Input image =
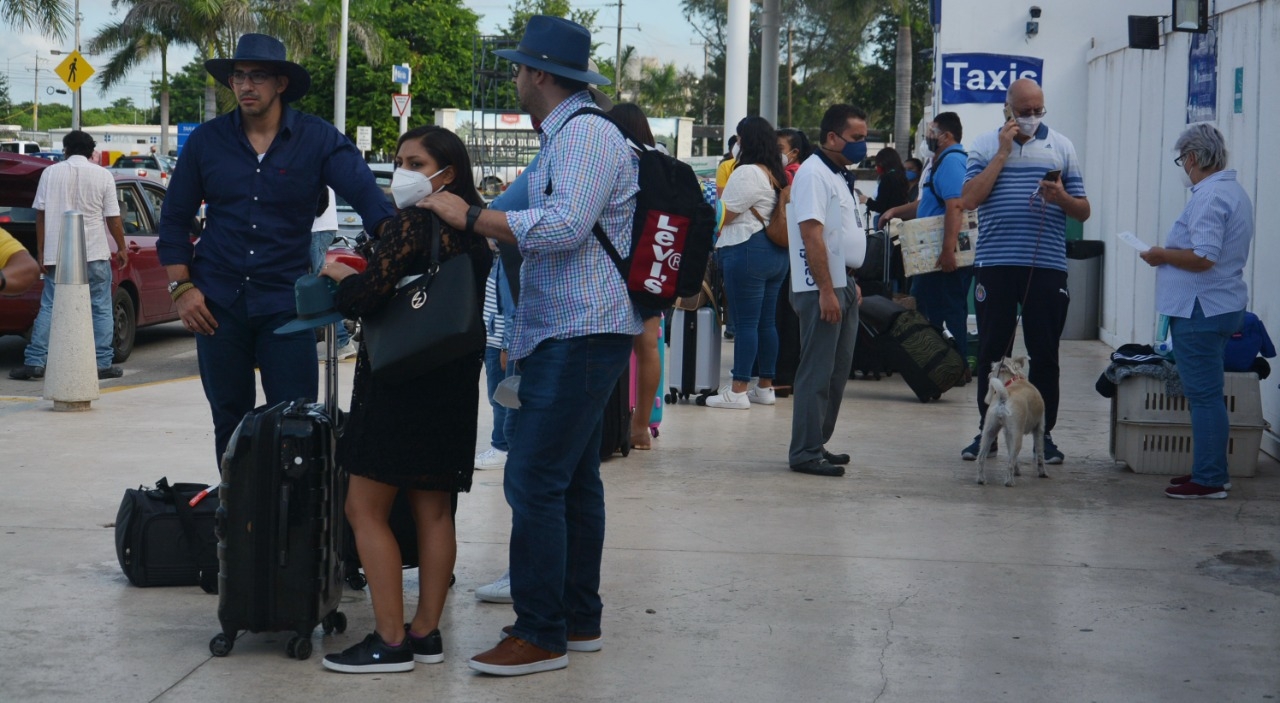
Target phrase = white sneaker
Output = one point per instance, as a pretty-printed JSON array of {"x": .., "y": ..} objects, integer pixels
[
  {"x": 762, "y": 396},
  {"x": 497, "y": 592},
  {"x": 728, "y": 399},
  {"x": 347, "y": 350},
  {"x": 491, "y": 458}
]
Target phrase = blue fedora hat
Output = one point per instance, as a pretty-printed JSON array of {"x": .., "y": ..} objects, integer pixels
[
  {"x": 261, "y": 48},
  {"x": 557, "y": 46},
  {"x": 313, "y": 297}
]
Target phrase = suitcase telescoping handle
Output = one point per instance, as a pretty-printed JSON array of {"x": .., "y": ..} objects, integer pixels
[
  {"x": 282, "y": 524},
  {"x": 331, "y": 371}
]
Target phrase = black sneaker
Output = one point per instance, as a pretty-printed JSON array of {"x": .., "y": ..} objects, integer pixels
[
  {"x": 837, "y": 459},
  {"x": 110, "y": 372},
  {"x": 1052, "y": 455},
  {"x": 372, "y": 656},
  {"x": 970, "y": 453},
  {"x": 428, "y": 649},
  {"x": 26, "y": 373}
]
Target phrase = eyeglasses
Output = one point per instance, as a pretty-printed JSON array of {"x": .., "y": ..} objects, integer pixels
[
  {"x": 255, "y": 77},
  {"x": 515, "y": 70},
  {"x": 1031, "y": 113},
  {"x": 1178, "y": 161}
]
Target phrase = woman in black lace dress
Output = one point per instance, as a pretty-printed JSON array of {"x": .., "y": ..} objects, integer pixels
[{"x": 416, "y": 435}]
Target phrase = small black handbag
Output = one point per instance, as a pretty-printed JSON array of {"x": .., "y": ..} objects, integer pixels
[
  {"x": 162, "y": 540},
  {"x": 429, "y": 321}
]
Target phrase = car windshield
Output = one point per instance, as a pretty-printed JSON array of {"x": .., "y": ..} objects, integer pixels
[
  {"x": 17, "y": 214},
  {"x": 136, "y": 162}
]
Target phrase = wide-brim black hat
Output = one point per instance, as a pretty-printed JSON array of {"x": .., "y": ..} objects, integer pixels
[
  {"x": 313, "y": 298},
  {"x": 263, "y": 49},
  {"x": 558, "y": 46}
]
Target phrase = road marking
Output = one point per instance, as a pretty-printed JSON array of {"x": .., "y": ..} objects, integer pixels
[{"x": 114, "y": 389}]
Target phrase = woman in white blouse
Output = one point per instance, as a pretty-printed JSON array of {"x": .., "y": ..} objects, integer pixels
[{"x": 754, "y": 267}]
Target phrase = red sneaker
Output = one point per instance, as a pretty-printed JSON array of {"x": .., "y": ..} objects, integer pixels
[
  {"x": 1179, "y": 480},
  {"x": 1192, "y": 491}
]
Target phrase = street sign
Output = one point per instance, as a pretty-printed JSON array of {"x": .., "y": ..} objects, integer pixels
[
  {"x": 401, "y": 73},
  {"x": 364, "y": 138},
  {"x": 74, "y": 70},
  {"x": 184, "y": 130},
  {"x": 401, "y": 105}
]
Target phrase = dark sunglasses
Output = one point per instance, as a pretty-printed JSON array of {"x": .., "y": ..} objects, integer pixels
[{"x": 255, "y": 77}]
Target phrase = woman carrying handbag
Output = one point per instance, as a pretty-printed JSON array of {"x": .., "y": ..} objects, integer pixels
[{"x": 415, "y": 434}]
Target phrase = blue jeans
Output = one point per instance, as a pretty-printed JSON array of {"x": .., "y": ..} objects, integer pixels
[
  {"x": 37, "y": 353},
  {"x": 753, "y": 275},
  {"x": 944, "y": 298},
  {"x": 227, "y": 357},
  {"x": 320, "y": 242},
  {"x": 1199, "y": 343},
  {"x": 494, "y": 373},
  {"x": 553, "y": 486}
]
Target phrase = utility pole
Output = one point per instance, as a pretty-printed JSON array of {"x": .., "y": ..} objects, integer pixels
[
  {"x": 35, "y": 102},
  {"x": 706, "y": 49},
  {"x": 617, "y": 58},
  {"x": 340, "y": 76},
  {"x": 75, "y": 94},
  {"x": 791, "y": 69}
]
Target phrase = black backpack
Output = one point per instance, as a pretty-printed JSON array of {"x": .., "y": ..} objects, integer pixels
[{"x": 673, "y": 231}]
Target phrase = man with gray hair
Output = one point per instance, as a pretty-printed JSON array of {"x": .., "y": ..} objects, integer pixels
[
  {"x": 1024, "y": 180},
  {"x": 1200, "y": 286}
]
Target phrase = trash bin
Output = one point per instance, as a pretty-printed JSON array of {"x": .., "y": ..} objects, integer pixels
[{"x": 1084, "y": 279}]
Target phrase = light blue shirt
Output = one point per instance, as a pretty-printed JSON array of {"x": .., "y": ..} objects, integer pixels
[
  {"x": 569, "y": 287},
  {"x": 947, "y": 176},
  {"x": 1217, "y": 224}
]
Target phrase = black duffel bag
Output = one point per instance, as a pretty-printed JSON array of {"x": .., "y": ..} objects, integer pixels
[{"x": 163, "y": 540}]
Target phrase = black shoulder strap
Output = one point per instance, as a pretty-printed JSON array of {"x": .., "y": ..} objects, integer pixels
[{"x": 933, "y": 170}]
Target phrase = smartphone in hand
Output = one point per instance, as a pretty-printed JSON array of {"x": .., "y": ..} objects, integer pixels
[
  {"x": 1008, "y": 113},
  {"x": 1054, "y": 175}
]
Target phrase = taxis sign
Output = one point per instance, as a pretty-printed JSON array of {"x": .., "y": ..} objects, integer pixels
[{"x": 74, "y": 70}]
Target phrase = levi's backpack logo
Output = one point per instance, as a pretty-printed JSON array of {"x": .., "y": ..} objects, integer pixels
[{"x": 672, "y": 233}]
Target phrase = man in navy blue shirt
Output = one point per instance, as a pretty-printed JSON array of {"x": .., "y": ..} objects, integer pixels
[{"x": 261, "y": 170}]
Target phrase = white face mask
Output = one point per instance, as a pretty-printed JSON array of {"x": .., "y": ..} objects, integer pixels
[
  {"x": 1028, "y": 125},
  {"x": 736, "y": 150},
  {"x": 786, "y": 160},
  {"x": 1186, "y": 177},
  {"x": 408, "y": 187}
]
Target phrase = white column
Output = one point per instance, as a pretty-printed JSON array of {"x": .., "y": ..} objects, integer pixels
[
  {"x": 770, "y": 22},
  {"x": 340, "y": 75},
  {"x": 737, "y": 60}
]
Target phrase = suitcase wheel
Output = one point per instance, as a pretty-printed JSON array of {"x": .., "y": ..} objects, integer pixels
[
  {"x": 357, "y": 581},
  {"x": 299, "y": 647},
  {"x": 220, "y": 645},
  {"x": 334, "y": 622}
]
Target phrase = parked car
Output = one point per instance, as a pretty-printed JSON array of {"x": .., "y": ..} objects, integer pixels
[
  {"x": 139, "y": 291},
  {"x": 146, "y": 166},
  {"x": 54, "y": 156},
  {"x": 350, "y": 225},
  {"x": 20, "y": 146}
]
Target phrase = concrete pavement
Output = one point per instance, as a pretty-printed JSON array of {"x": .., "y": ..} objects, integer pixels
[{"x": 726, "y": 576}]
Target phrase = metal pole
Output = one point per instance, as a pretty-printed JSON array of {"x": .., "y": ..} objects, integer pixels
[
  {"x": 736, "y": 66},
  {"x": 770, "y": 20},
  {"x": 340, "y": 77},
  {"x": 791, "y": 76},
  {"x": 617, "y": 58},
  {"x": 75, "y": 94},
  {"x": 35, "y": 103}
]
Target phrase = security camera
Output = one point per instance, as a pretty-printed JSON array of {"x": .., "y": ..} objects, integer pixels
[{"x": 1035, "y": 12}]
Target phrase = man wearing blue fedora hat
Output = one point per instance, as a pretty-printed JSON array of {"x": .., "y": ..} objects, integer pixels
[
  {"x": 571, "y": 338},
  {"x": 261, "y": 169}
]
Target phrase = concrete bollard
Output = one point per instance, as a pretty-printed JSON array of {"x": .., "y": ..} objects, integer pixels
[{"x": 71, "y": 371}]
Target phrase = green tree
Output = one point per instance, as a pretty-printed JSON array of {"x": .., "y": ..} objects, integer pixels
[
  {"x": 49, "y": 17},
  {"x": 5, "y": 107},
  {"x": 522, "y": 10},
  {"x": 661, "y": 93}
]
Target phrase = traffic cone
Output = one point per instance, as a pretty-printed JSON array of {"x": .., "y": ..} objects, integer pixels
[{"x": 71, "y": 371}]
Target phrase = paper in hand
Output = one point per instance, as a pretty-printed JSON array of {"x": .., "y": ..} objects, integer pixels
[{"x": 1132, "y": 240}]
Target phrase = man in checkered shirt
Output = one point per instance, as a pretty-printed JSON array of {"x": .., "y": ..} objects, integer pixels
[{"x": 571, "y": 340}]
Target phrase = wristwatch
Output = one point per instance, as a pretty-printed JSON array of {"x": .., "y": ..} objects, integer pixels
[
  {"x": 173, "y": 285},
  {"x": 473, "y": 214}
]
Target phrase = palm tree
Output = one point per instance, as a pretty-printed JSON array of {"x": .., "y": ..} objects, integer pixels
[
  {"x": 46, "y": 16},
  {"x": 661, "y": 93},
  {"x": 902, "y": 76},
  {"x": 135, "y": 40}
]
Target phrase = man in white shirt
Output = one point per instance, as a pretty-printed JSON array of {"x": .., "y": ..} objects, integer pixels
[
  {"x": 323, "y": 231},
  {"x": 826, "y": 241},
  {"x": 77, "y": 184}
]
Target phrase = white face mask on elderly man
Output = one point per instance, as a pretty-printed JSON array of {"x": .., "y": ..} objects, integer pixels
[
  {"x": 408, "y": 187},
  {"x": 1028, "y": 126}
]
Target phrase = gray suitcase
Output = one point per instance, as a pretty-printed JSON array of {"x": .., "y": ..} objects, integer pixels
[{"x": 694, "y": 354}]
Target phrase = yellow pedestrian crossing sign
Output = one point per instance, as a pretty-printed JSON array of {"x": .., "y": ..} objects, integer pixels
[{"x": 74, "y": 70}]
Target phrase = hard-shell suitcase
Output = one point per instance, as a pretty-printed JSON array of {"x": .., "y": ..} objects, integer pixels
[
  {"x": 875, "y": 279},
  {"x": 927, "y": 361},
  {"x": 655, "y": 414},
  {"x": 615, "y": 436},
  {"x": 695, "y": 354},
  {"x": 279, "y": 523}
]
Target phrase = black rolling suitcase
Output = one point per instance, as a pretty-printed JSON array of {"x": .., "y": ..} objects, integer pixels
[
  {"x": 927, "y": 361},
  {"x": 615, "y": 436},
  {"x": 875, "y": 279},
  {"x": 405, "y": 530},
  {"x": 279, "y": 523}
]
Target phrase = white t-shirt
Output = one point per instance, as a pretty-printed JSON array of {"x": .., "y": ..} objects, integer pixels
[
  {"x": 77, "y": 184},
  {"x": 328, "y": 220},
  {"x": 748, "y": 187},
  {"x": 818, "y": 193}
]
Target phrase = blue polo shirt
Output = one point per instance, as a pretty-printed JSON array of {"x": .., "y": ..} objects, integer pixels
[
  {"x": 1012, "y": 230},
  {"x": 257, "y": 236},
  {"x": 947, "y": 177}
]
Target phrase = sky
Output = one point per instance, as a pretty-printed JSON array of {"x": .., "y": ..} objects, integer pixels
[{"x": 657, "y": 36}]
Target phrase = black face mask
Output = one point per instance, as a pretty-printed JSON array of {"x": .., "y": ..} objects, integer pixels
[{"x": 932, "y": 143}]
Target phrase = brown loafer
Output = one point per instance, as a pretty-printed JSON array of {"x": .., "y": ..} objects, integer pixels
[{"x": 516, "y": 657}]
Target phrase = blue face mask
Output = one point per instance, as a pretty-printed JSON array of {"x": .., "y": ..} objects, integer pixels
[
  {"x": 855, "y": 152},
  {"x": 911, "y": 175}
]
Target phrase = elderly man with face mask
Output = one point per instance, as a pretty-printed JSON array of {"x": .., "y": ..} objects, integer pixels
[{"x": 1021, "y": 255}]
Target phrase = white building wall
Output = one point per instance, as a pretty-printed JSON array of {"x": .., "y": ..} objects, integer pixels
[{"x": 1124, "y": 109}]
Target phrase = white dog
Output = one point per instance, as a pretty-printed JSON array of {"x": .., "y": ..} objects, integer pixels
[{"x": 1015, "y": 405}]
